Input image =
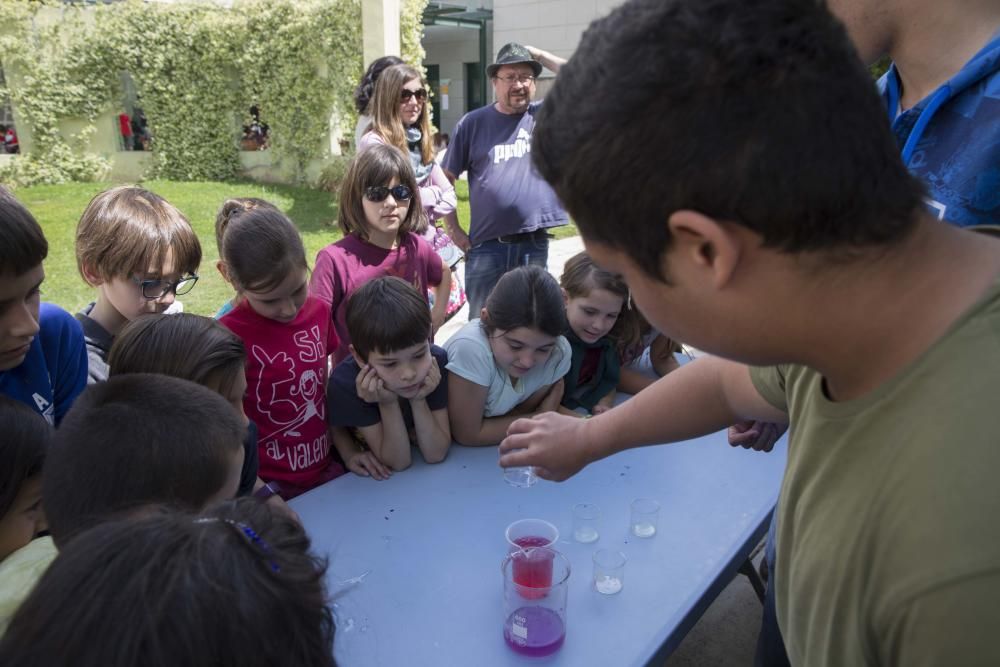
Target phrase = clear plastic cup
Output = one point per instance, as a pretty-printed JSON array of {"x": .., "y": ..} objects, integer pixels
[
  {"x": 645, "y": 516},
  {"x": 609, "y": 571},
  {"x": 520, "y": 476},
  {"x": 586, "y": 523}
]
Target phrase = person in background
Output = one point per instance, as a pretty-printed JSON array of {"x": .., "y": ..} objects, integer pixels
[
  {"x": 512, "y": 208},
  {"x": 366, "y": 88}
]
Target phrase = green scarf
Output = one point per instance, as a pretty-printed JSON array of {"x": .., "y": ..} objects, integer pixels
[{"x": 605, "y": 377}]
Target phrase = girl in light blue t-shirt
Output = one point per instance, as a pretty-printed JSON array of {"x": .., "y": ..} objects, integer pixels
[{"x": 509, "y": 363}]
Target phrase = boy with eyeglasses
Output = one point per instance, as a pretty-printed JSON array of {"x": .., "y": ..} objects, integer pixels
[
  {"x": 43, "y": 361},
  {"x": 140, "y": 252}
]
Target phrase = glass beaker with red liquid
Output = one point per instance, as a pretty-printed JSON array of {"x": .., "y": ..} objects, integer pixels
[
  {"x": 535, "y": 616},
  {"x": 532, "y": 569}
]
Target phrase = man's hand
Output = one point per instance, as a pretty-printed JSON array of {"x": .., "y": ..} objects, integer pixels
[
  {"x": 556, "y": 445},
  {"x": 459, "y": 237},
  {"x": 367, "y": 464},
  {"x": 371, "y": 388},
  {"x": 756, "y": 435},
  {"x": 554, "y": 398},
  {"x": 430, "y": 382}
]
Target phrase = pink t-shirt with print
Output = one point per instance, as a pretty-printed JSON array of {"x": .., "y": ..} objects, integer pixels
[
  {"x": 344, "y": 266},
  {"x": 286, "y": 390}
]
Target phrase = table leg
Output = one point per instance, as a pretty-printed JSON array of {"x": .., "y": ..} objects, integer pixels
[{"x": 750, "y": 572}]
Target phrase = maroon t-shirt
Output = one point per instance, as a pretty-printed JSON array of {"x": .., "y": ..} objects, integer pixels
[{"x": 344, "y": 266}]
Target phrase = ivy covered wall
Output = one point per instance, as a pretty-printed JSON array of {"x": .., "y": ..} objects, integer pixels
[{"x": 198, "y": 68}]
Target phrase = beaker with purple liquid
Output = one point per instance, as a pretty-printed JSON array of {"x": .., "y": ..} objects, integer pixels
[{"x": 535, "y": 616}]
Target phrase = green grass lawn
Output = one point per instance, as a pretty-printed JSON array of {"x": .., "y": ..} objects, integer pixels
[{"x": 58, "y": 208}]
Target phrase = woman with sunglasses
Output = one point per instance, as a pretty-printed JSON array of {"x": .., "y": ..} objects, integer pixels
[{"x": 401, "y": 118}]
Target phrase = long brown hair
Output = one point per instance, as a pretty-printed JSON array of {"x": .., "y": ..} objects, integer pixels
[
  {"x": 385, "y": 105},
  {"x": 260, "y": 247},
  {"x": 580, "y": 276}
]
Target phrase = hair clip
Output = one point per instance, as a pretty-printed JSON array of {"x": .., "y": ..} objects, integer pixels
[{"x": 250, "y": 534}]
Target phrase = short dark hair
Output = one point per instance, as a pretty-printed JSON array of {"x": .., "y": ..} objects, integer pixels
[
  {"x": 756, "y": 113},
  {"x": 22, "y": 243},
  {"x": 23, "y": 446},
  {"x": 527, "y": 296},
  {"x": 187, "y": 346},
  {"x": 260, "y": 246},
  {"x": 235, "y": 586},
  {"x": 385, "y": 315},
  {"x": 135, "y": 440}
]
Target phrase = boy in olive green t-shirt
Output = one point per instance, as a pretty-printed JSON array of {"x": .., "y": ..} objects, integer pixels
[{"x": 756, "y": 205}]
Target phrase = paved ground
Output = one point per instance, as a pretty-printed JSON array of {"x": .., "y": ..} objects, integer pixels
[
  {"x": 559, "y": 251},
  {"x": 727, "y": 633}
]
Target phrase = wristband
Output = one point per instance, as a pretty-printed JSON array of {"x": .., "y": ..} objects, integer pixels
[{"x": 265, "y": 492}]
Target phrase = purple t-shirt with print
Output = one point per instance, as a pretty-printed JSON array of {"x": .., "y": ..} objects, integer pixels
[{"x": 507, "y": 195}]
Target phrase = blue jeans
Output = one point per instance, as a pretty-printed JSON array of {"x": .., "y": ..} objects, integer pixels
[{"x": 487, "y": 261}]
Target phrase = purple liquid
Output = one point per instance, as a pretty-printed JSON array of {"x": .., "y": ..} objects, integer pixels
[{"x": 534, "y": 631}]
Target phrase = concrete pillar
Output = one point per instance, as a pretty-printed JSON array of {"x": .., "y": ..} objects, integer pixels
[{"x": 379, "y": 28}]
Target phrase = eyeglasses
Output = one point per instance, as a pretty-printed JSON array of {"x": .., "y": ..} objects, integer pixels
[
  {"x": 157, "y": 289},
  {"x": 419, "y": 93},
  {"x": 378, "y": 193},
  {"x": 510, "y": 79}
]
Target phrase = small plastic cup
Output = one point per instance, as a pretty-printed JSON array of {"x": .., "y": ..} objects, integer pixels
[
  {"x": 532, "y": 540},
  {"x": 520, "y": 476},
  {"x": 609, "y": 571},
  {"x": 645, "y": 515},
  {"x": 586, "y": 523}
]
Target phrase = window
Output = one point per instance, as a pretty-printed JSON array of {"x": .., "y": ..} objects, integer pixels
[{"x": 8, "y": 133}]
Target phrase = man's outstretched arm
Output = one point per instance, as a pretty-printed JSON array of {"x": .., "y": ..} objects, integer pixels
[{"x": 701, "y": 397}]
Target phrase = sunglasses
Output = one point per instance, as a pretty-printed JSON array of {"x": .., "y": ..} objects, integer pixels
[
  {"x": 378, "y": 193},
  {"x": 419, "y": 93}
]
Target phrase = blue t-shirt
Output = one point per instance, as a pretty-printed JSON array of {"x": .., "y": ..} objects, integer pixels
[
  {"x": 54, "y": 371},
  {"x": 951, "y": 139},
  {"x": 344, "y": 408},
  {"x": 506, "y": 193}
]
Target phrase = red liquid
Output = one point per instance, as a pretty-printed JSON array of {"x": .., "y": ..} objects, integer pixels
[
  {"x": 532, "y": 567},
  {"x": 534, "y": 631}
]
